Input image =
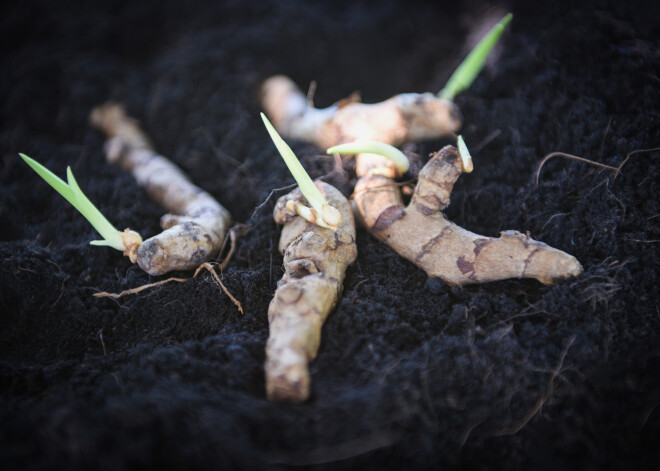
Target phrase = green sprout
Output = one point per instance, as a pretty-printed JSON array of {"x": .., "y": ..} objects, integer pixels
[
  {"x": 464, "y": 153},
  {"x": 122, "y": 241},
  {"x": 360, "y": 146},
  {"x": 330, "y": 217},
  {"x": 465, "y": 74},
  {"x": 393, "y": 154}
]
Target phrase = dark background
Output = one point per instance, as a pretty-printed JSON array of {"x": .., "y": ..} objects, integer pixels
[{"x": 411, "y": 373}]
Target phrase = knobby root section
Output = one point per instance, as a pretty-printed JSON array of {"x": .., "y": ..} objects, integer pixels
[
  {"x": 422, "y": 234},
  {"x": 194, "y": 230},
  {"x": 403, "y": 118},
  {"x": 315, "y": 262}
]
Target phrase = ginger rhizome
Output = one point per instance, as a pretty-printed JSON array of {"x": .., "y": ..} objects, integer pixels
[
  {"x": 318, "y": 243},
  {"x": 315, "y": 262},
  {"x": 194, "y": 230},
  {"x": 423, "y": 235},
  {"x": 408, "y": 117},
  {"x": 403, "y": 118}
]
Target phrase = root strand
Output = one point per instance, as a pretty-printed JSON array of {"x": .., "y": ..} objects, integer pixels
[{"x": 568, "y": 156}]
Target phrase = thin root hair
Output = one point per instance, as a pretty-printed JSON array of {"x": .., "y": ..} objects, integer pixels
[
  {"x": 234, "y": 233},
  {"x": 543, "y": 399},
  {"x": 628, "y": 155},
  {"x": 138, "y": 289},
  {"x": 270, "y": 195},
  {"x": 218, "y": 282},
  {"x": 568, "y": 156}
]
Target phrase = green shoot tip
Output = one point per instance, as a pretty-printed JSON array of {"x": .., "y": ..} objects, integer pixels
[
  {"x": 465, "y": 74},
  {"x": 321, "y": 212},
  {"x": 464, "y": 153},
  {"x": 361, "y": 146},
  {"x": 74, "y": 195}
]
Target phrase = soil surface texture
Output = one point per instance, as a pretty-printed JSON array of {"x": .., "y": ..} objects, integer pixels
[{"x": 411, "y": 373}]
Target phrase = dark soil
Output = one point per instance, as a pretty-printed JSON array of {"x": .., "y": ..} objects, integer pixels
[{"x": 411, "y": 373}]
